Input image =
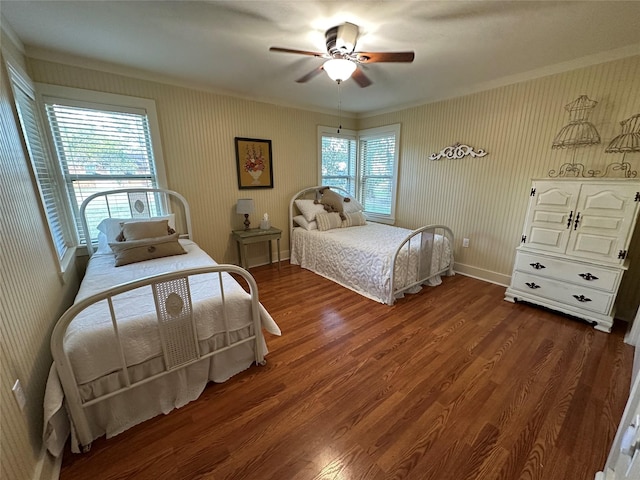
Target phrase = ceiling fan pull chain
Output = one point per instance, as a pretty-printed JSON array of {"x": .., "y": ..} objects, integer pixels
[{"x": 339, "y": 107}]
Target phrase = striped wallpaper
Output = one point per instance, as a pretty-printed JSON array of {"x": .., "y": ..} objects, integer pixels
[
  {"x": 32, "y": 297},
  {"x": 483, "y": 199}
]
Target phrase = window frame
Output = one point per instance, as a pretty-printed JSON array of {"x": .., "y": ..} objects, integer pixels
[
  {"x": 363, "y": 136},
  {"x": 98, "y": 101},
  {"x": 65, "y": 251}
]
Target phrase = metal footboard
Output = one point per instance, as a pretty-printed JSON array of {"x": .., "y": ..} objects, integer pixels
[{"x": 418, "y": 265}]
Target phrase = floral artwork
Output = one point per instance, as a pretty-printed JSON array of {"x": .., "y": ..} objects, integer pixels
[
  {"x": 254, "y": 162},
  {"x": 253, "y": 158}
]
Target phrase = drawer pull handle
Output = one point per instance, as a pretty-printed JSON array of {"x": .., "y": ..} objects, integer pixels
[
  {"x": 537, "y": 265},
  {"x": 588, "y": 276},
  {"x": 532, "y": 285},
  {"x": 570, "y": 219},
  {"x": 581, "y": 298},
  {"x": 576, "y": 221}
]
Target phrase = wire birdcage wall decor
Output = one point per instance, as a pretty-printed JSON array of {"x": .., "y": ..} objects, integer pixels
[
  {"x": 579, "y": 132},
  {"x": 627, "y": 142}
]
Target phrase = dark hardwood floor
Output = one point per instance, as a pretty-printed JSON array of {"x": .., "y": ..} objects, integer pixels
[{"x": 451, "y": 383}]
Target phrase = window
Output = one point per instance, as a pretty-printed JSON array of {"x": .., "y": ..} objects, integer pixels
[
  {"x": 44, "y": 170},
  {"x": 102, "y": 142},
  {"x": 365, "y": 163},
  {"x": 338, "y": 154}
]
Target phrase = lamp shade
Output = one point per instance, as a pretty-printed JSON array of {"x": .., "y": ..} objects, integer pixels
[
  {"x": 339, "y": 69},
  {"x": 245, "y": 206}
]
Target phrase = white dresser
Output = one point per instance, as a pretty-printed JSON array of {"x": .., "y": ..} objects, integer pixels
[{"x": 574, "y": 246}]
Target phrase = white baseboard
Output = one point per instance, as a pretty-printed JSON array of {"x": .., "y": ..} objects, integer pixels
[
  {"x": 258, "y": 261},
  {"x": 481, "y": 274}
]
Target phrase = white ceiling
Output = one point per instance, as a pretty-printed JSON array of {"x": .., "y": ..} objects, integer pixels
[{"x": 223, "y": 46}]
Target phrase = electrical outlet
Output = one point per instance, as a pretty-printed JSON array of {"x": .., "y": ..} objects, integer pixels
[
  {"x": 18, "y": 392},
  {"x": 465, "y": 242}
]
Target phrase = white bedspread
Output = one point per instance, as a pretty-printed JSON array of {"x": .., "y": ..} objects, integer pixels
[
  {"x": 359, "y": 258},
  {"x": 90, "y": 343}
]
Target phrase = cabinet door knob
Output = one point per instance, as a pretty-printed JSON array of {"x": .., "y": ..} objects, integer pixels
[
  {"x": 537, "y": 265},
  {"x": 576, "y": 222},
  {"x": 532, "y": 285},
  {"x": 581, "y": 298},
  {"x": 588, "y": 276},
  {"x": 570, "y": 219}
]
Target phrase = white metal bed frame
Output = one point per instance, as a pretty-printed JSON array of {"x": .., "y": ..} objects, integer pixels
[
  {"x": 424, "y": 235},
  {"x": 174, "y": 315}
]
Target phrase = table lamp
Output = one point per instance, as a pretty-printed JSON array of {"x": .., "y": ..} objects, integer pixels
[{"x": 245, "y": 207}]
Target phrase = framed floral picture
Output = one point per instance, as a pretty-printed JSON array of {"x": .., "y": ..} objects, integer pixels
[{"x": 254, "y": 163}]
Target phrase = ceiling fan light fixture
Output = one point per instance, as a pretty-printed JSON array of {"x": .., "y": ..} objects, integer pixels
[{"x": 339, "y": 69}]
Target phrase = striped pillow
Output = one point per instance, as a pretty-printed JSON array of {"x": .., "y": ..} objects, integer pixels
[
  {"x": 327, "y": 221},
  {"x": 354, "y": 219}
]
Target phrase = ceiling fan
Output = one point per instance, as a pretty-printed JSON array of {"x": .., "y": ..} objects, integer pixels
[{"x": 342, "y": 59}]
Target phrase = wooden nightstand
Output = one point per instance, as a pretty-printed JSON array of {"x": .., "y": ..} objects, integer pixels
[{"x": 256, "y": 235}]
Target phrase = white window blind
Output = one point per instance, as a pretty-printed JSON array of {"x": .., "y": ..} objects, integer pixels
[
  {"x": 377, "y": 160},
  {"x": 100, "y": 147},
  {"x": 43, "y": 167},
  {"x": 338, "y": 161}
]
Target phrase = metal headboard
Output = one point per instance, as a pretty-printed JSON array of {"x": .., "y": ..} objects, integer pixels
[
  {"x": 310, "y": 193},
  {"x": 132, "y": 203}
]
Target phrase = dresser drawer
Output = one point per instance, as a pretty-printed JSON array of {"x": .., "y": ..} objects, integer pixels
[
  {"x": 583, "y": 274},
  {"x": 571, "y": 295}
]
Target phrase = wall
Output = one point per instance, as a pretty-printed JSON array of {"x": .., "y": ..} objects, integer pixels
[
  {"x": 485, "y": 199},
  {"x": 198, "y": 130},
  {"x": 33, "y": 295}
]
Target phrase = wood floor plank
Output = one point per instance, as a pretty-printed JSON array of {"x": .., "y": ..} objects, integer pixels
[{"x": 449, "y": 383}]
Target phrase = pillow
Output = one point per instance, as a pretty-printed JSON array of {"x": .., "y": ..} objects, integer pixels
[
  {"x": 302, "y": 222},
  {"x": 333, "y": 200},
  {"x": 103, "y": 245},
  {"x": 309, "y": 209},
  {"x": 111, "y": 226},
  {"x": 146, "y": 249},
  {"x": 354, "y": 219},
  {"x": 328, "y": 221},
  {"x": 147, "y": 229},
  {"x": 352, "y": 206}
]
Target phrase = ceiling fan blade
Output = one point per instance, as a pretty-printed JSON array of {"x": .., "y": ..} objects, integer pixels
[
  {"x": 299, "y": 52},
  {"x": 360, "y": 78},
  {"x": 310, "y": 75},
  {"x": 376, "y": 57}
]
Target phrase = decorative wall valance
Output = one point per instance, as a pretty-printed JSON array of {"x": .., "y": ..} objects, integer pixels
[{"x": 456, "y": 151}]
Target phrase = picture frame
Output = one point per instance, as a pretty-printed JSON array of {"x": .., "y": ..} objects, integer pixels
[{"x": 254, "y": 163}]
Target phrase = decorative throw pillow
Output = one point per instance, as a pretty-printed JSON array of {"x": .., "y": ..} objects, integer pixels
[
  {"x": 309, "y": 209},
  {"x": 133, "y": 251},
  {"x": 111, "y": 226},
  {"x": 354, "y": 219},
  {"x": 302, "y": 222},
  {"x": 328, "y": 221},
  {"x": 140, "y": 230},
  {"x": 333, "y": 201},
  {"x": 353, "y": 206}
]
